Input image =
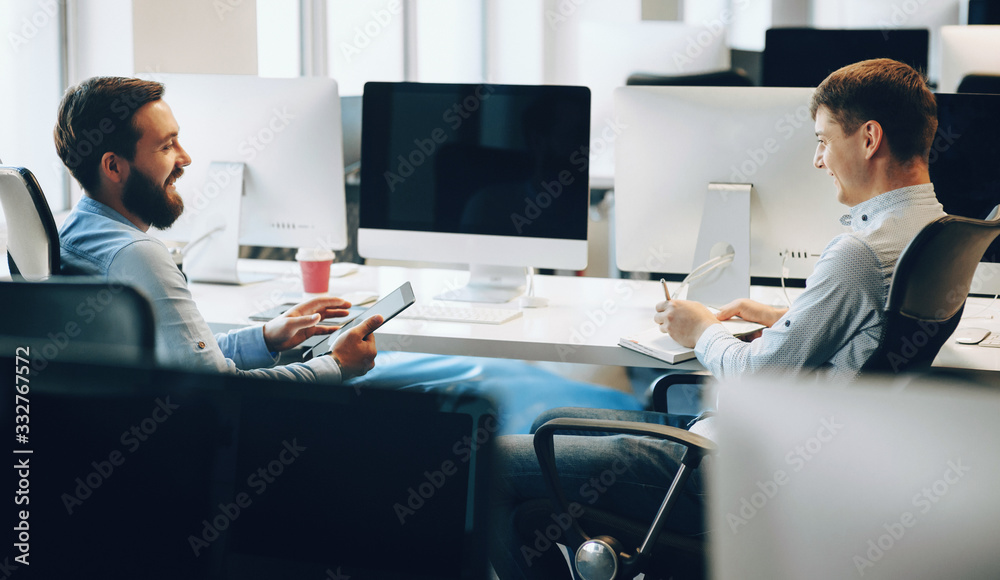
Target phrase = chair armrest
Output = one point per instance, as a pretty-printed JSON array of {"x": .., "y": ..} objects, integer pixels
[
  {"x": 543, "y": 435},
  {"x": 658, "y": 390},
  {"x": 695, "y": 445}
]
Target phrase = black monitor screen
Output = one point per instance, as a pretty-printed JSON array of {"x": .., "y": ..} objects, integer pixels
[
  {"x": 803, "y": 57},
  {"x": 509, "y": 160},
  {"x": 963, "y": 158}
]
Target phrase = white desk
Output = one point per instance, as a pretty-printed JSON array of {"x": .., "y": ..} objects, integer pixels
[{"x": 582, "y": 324}]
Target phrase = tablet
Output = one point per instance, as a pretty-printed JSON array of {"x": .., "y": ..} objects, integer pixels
[{"x": 392, "y": 304}]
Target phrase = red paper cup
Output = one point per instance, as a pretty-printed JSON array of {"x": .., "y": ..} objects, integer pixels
[{"x": 315, "y": 264}]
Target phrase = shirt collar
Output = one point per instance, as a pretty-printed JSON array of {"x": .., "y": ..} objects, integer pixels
[
  {"x": 868, "y": 212},
  {"x": 90, "y": 205}
]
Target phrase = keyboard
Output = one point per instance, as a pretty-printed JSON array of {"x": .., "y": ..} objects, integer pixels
[
  {"x": 448, "y": 313},
  {"x": 992, "y": 340}
]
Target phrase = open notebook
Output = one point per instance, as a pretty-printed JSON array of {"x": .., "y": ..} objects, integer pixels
[{"x": 659, "y": 345}]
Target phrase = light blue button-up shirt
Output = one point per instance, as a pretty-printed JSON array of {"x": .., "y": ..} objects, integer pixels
[
  {"x": 95, "y": 240},
  {"x": 836, "y": 324}
]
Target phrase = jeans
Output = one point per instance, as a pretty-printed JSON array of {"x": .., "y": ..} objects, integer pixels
[
  {"x": 622, "y": 474},
  {"x": 520, "y": 391}
]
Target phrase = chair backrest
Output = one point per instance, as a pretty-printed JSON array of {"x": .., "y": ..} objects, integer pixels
[
  {"x": 928, "y": 291},
  {"x": 77, "y": 319},
  {"x": 32, "y": 239},
  {"x": 733, "y": 77},
  {"x": 333, "y": 482},
  {"x": 980, "y": 83}
]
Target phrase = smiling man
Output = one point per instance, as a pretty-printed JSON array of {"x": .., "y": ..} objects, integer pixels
[
  {"x": 875, "y": 121},
  {"x": 120, "y": 140}
]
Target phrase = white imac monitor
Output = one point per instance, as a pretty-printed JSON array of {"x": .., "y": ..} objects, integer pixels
[
  {"x": 287, "y": 135},
  {"x": 495, "y": 176},
  {"x": 681, "y": 139},
  {"x": 966, "y": 50}
]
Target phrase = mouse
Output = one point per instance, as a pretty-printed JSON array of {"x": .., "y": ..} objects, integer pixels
[{"x": 970, "y": 335}]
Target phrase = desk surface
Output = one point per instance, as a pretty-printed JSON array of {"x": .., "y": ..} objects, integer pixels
[{"x": 582, "y": 324}]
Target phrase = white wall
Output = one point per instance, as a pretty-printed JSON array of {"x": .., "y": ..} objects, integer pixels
[
  {"x": 195, "y": 36},
  {"x": 365, "y": 42},
  {"x": 449, "y": 41},
  {"x": 278, "y": 38},
  {"x": 515, "y": 41},
  {"x": 100, "y": 39},
  {"x": 30, "y": 91}
]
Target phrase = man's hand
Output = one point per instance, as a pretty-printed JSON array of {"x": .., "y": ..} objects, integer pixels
[
  {"x": 751, "y": 312},
  {"x": 353, "y": 352},
  {"x": 684, "y": 320},
  {"x": 299, "y": 322}
]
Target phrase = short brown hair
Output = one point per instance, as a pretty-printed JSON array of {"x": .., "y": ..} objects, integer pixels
[
  {"x": 96, "y": 116},
  {"x": 887, "y": 91}
]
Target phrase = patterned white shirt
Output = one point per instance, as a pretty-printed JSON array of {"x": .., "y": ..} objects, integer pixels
[{"x": 836, "y": 324}]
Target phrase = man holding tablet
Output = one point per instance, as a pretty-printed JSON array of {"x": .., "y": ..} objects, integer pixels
[
  {"x": 119, "y": 139},
  {"x": 128, "y": 179}
]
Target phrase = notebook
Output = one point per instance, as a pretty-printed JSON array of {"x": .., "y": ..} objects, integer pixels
[
  {"x": 169, "y": 474},
  {"x": 652, "y": 342}
]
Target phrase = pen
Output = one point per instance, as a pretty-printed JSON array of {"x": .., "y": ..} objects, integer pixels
[{"x": 665, "y": 291}]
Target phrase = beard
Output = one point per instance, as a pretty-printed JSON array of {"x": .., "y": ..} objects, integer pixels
[{"x": 150, "y": 201}]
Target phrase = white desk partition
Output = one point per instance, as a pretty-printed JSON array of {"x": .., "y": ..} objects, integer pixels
[{"x": 582, "y": 324}]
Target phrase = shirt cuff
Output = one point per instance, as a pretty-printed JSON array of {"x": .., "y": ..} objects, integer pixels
[
  {"x": 712, "y": 335},
  {"x": 250, "y": 350},
  {"x": 326, "y": 367}
]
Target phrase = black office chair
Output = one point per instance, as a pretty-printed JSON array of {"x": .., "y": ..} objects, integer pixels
[
  {"x": 77, "y": 319},
  {"x": 734, "y": 77},
  {"x": 32, "y": 238},
  {"x": 926, "y": 297},
  {"x": 980, "y": 83},
  {"x": 928, "y": 292}
]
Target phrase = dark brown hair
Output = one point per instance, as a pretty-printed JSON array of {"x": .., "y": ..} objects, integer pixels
[
  {"x": 96, "y": 116},
  {"x": 887, "y": 91}
]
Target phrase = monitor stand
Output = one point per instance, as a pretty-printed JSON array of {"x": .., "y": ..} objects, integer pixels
[
  {"x": 214, "y": 251},
  {"x": 725, "y": 227},
  {"x": 494, "y": 284}
]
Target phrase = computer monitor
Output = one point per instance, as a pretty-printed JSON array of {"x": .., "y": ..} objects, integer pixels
[
  {"x": 158, "y": 473},
  {"x": 803, "y": 57},
  {"x": 963, "y": 163},
  {"x": 966, "y": 50},
  {"x": 495, "y": 176},
  {"x": 681, "y": 139},
  {"x": 286, "y": 132},
  {"x": 689, "y": 137}
]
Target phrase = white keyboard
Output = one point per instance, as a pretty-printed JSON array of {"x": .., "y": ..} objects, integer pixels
[
  {"x": 992, "y": 340},
  {"x": 448, "y": 313}
]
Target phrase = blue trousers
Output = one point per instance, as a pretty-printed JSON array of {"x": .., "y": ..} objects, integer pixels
[{"x": 521, "y": 391}]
